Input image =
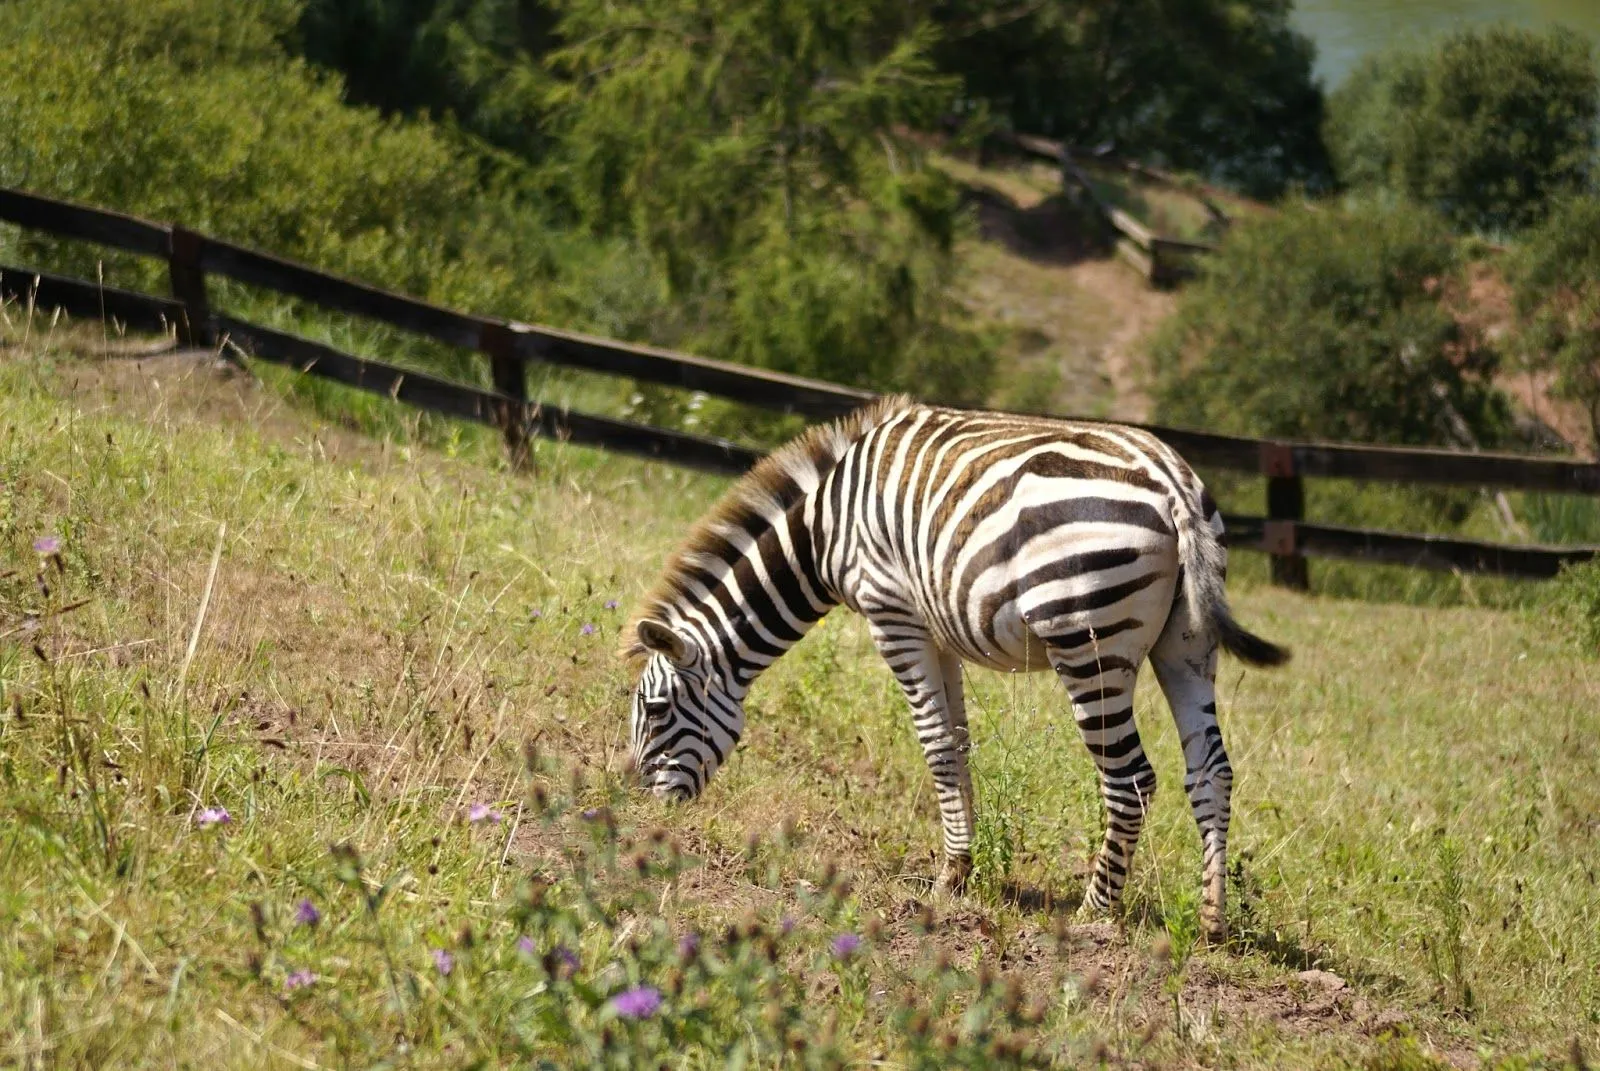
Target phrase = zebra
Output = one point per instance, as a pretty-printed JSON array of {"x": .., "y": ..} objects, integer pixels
[{"x": 1011, "y": 542}]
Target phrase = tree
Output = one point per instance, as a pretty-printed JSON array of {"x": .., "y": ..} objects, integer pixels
[
  {"x": 1223, "y": 87},
  {"x": 760, "y": 150},
  {"x": 1557, "y": 287},
  {"x": 1489, "y": 127},
  {"x": 1331, "y": 323}
]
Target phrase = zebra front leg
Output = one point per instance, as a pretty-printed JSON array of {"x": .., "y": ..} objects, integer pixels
[
  {"x": 932, "y": 685},
  {"x": 1102, "y": 703},
  {"x": 1186, "y": 665}
]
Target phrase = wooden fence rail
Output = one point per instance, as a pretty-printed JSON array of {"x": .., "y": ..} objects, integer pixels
[{"x": 510, "y": 346}]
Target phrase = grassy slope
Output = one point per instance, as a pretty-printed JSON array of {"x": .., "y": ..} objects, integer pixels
[{"x": 1415, "y": 808}]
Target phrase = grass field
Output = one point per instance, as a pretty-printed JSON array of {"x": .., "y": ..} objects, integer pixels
[{"x": 390, "y": 662}]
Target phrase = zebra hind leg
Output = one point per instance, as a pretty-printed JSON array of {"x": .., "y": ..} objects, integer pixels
[
  {"x": 1101, "y": 688},
  {"x": 1185, "y": 662}
]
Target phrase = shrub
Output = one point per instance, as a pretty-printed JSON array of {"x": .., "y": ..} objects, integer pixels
[
  {"x": 1488, "y": 127},
  {"x": 1557, "y": 288},
  {"x": 1576, "y": 597},
  {"x": 1327, "y": 322}
]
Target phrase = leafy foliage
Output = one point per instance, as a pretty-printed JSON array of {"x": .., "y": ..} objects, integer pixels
[
  {"x": 1557, "y": 277},
  {"x": 1328, "y": 322},
  {"x": 1219, "y": 86},
  {"x": 758, "y": 151},
  {"x": 1489, "y": 126}
]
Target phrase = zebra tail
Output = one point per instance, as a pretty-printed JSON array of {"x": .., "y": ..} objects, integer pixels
[{"x": 1204, "y": 572}]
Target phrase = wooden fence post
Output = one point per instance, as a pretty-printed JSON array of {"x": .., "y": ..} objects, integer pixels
[
  {"x": 1286, "y": 506},
  {"x": 189, "y": 287},
  {"x": 510, "y": 380}
]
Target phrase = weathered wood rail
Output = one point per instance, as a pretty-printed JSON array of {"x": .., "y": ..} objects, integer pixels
[{"x": 510, "y": 347}]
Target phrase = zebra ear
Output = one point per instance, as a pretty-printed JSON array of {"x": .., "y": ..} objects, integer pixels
[{"x": 665, "y": 640}]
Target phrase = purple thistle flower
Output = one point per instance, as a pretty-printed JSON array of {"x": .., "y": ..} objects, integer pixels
[
  {"x": 482, "y": 812},
  {"x": 535, "y": 614},
  {"x": 444, "y": 962},
  {"x": 688, "y": 945},
  {"x": 306, "y": 913},
  {"x": 591, "y": 814},
  {"x": 786, "y": 925},
  {"x": 566, "y": 957},
  {"x": 846, "y": 945},
  {"x": 526, "y": 946},
  {"x": 299, "y": 979},
  {"x": 213, "y": 816},
  {"x": 640, "y": 1002},
  {"x": 47, "y": 545},
  {"x": 612, "y": 604},
  {"x": 587, "y": 630}
]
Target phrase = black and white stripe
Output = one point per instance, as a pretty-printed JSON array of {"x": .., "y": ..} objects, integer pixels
[{"x": 1012, "y": 542}]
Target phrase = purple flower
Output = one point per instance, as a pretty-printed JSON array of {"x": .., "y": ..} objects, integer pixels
[
  {"x": 444, "y": 961},
  {"x": 591, "y": 814},
  {"x": 640, "y": 1002},
  {"x": 213, "y": 816},
  {"x": 526, "y": 946},
  {"x": 306, "y": 913},
  {"x": 47, "y": 545},
  {"x": 299, "y": 979},
  {"x": 786, "y": 925},
  {"x": 612, "y": 604},
  {"x": 565, "y": 958},
  {"x": 535, "y": 614},
  {"x": 846, "y": 945},
  {"x": 482, "y": 812},
  {"x": 688, "y": 945},
  {"x": 587, "y": 630}
]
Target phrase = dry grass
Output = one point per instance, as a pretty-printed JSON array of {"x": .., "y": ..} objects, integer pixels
[{"x": 1415, "y": 808}]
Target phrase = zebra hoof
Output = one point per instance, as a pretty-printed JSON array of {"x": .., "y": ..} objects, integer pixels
[
  {"x": 952, "y": 880},
  {"x": 1214, "y": 934}
]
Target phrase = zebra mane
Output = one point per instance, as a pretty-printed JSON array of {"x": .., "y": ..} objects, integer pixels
[{"x": 753, "y": 504}]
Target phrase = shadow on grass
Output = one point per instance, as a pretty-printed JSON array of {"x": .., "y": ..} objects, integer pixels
[{"x": 1054, "y": 231}]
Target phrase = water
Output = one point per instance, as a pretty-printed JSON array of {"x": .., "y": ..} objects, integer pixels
[{"x": 1347, "y": 30}]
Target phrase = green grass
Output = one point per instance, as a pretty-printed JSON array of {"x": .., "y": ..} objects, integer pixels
[{"x": 1415, "y": 808}]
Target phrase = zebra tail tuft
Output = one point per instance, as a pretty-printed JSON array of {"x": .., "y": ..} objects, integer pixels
[{"x": 1204, "y": 572}]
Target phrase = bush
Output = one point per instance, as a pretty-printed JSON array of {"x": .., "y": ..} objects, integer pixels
[
  {"x": 1576, "y": 597},
  {"x": 760, "y": 156},
  {"x": 1556, "y": 278},
  {"x": 1488, "y": 127},
  {"x": 1331, "y": 323}
]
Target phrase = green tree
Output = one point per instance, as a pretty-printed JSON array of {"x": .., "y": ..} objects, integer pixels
[
  {"x": 1489, "y": 126},
  {"x": 1326, "y": 322},
  {"x": 1556, "y": 276},
  {"x": 1223, "y": 87},
  {"x": 759, "y": 150},
  {"x": 478, "y": 61}
]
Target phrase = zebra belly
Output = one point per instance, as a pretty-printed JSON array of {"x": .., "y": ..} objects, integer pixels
[{"x": 1072, "y": 586}]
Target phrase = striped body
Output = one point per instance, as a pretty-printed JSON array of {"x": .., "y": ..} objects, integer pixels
[{"x": 1010, "y": 542}]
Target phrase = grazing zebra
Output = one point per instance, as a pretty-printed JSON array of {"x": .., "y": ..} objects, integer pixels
[{"x": 1013, "y": 542}]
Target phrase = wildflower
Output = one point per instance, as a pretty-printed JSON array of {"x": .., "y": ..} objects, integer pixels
[
  {"x": 535, "y": 614},
  {"x": 47, "y": 545},
  {"x": 213, "y": 816},
  {"x": 846, "y": 945},
  {"x": 306, "y": 913},
  {"x": 482, "y": 812},
  {"x": 525, "y": 945},
  {"x": 299, "y": 979},
  {"x": 786, "y": 925},
  {"x": 587, "y": 630},
  {"x": 612, "y": 604},
  {"x": 640, "y": 1002},
  {"x": 444, "y": 961},
  {"x": 688, "y": 945}
]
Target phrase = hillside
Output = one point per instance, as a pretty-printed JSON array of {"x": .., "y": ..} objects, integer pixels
[{"x": 344, "y": 641}]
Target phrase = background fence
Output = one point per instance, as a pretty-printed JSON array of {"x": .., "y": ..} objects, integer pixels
[{"x": 509, "y": 347}]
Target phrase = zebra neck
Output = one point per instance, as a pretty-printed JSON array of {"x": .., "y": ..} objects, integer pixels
[{"x": 764, "y": 601}]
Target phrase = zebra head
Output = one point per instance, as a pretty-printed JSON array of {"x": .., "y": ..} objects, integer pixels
[{"x": 685, "y": 723}]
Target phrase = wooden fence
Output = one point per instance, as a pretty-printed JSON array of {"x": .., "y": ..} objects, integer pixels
[
  {"x": 510, "y": 347},
  {"x": 1161, "y": 259}
]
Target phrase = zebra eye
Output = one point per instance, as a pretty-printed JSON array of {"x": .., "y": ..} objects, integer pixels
[{"x": 657, "y": 709}]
